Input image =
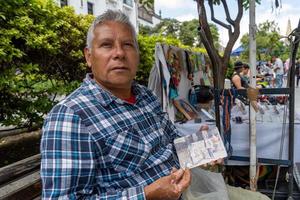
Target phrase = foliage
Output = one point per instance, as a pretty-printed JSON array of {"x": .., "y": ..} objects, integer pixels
[
  {"x": 230, "y": 70},
  {"x": 167, "y": 27},
  {"x": 186, "y": 32},
  {"x": 40, "y": 57},
  {"x": 267, "y": 42}
]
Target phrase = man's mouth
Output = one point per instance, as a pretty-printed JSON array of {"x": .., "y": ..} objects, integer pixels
[{"x": 120, "y": 68}]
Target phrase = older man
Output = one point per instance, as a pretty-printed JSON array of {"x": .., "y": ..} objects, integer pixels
[{"x": 109, "y": 139}]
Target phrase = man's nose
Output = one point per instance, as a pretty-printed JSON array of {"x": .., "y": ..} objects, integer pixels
[{"x": 119, "y": 51}]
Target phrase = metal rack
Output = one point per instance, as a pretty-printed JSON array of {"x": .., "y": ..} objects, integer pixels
[{"x": 290, "y": 91}]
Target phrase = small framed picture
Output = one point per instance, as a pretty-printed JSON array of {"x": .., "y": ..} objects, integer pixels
[{"x": 185, "y": 108}]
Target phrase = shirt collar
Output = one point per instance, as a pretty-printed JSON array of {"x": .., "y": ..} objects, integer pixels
[{"x": 104, "y": 96}]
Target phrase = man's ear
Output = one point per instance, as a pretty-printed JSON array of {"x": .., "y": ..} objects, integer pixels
[{"x": 87, "y": 55}]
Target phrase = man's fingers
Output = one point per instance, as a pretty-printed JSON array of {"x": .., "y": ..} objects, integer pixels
[
  {"x": 204, "y": 127},
  {"x": 184, "y": 183},
  {"x": 220, "y": 161},
  {"x": 174, "y": 169},
  {"x": 177, "y": 175}
]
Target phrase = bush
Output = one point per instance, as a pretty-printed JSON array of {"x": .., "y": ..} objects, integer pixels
[{"x": 40, "y": 57}]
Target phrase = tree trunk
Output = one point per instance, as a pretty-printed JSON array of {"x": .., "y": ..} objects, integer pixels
[{"x": 219, "y": 63}]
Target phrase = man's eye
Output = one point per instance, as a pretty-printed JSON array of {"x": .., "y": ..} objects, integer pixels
[
  {"x": 106, "y": 45},
  {"x": 129, "y": 44}
]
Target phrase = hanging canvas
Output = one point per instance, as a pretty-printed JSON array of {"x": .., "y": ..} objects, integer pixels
[{"x": 174, "y": 67}]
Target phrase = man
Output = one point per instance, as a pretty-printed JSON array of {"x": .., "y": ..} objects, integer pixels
[
  {"x": 237, "y": 79},
  {"x": 278, "y": 69},
  {"x": 109, "y": 139}
]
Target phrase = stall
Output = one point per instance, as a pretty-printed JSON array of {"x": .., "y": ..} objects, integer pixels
[{"x": 173, "y": 79}]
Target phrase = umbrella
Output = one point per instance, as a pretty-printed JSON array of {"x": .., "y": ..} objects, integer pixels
[{"x": 237, "y": 51}]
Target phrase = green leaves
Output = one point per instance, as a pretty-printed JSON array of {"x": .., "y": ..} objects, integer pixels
[
  {"x": 186, "y": 32},
  {"x": 40, "y": 58},
  {"x": 267, "y": 42}
]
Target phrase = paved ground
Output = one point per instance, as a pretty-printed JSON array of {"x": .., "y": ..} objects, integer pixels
[{"x": 297, "y": 99}]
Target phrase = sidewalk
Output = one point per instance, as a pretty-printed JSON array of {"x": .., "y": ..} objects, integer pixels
[{"x": 297, "y": 99}]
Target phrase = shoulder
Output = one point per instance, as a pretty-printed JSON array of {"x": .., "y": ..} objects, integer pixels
[
  {"x": 235, "y": 77},
  {"x": 78, "y": 99}
]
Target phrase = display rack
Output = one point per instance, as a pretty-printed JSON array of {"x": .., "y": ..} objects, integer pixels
[{"x": 290, "y": 91}]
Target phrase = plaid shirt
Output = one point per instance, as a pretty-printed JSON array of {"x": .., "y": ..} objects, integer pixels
[{"x": 97, "y": 146}]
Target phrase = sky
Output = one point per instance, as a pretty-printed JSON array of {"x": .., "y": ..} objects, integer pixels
[{"x": 184, "y": 10}]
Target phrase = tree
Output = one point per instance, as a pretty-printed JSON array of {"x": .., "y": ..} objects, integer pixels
[
  {"x": 186, "y": 32},
  {"x": 219, "y": 62},
  {"x": 40, "y": 57},
  {"x": 268, "y": 42},
  {"x": 167, "y": 27}
]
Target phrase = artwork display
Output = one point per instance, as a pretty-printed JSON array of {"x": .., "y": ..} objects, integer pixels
[{"x": 200, "y": 148}]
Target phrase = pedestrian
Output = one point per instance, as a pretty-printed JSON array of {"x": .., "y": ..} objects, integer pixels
[{"x": 279, "y": 71}]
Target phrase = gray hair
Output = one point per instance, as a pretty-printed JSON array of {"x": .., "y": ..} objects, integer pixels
[{"x": 109, "y": 15}]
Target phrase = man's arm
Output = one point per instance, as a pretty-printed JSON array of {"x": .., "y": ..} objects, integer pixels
[{"x": 68, "y": 160}]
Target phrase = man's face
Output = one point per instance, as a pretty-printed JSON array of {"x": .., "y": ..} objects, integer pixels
[{"x": 113, "y": 56}]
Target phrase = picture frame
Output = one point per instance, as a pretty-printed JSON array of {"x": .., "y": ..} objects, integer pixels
[{"x": 185, "y": 108}]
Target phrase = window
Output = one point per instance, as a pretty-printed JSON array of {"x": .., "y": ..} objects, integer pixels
[
  {"x": 128, "y": 2},
  {"x": 90, "y": 8},
  {"x": 63, "y": 3}
]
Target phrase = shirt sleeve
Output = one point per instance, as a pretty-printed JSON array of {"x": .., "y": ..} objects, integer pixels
[{"x": 68, "y": 160}]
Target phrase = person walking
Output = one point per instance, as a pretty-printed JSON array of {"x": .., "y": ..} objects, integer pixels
[{"x": 279, "y": 71}]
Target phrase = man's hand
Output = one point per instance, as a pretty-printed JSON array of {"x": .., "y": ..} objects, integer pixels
[{"x": 169, "y": 187}]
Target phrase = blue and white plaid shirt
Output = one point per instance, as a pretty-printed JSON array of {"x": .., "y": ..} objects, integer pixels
[{"x": 97, "y": 146}]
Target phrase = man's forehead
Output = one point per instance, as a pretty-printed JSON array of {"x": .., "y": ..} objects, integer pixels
[
  {"x": 113, "y": 29},
  {"x": 112, "y": 25}
]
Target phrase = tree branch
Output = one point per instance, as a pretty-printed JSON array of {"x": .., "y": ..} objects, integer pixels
[
  {"x": 207, "y": 40},
  {"x": 228, "y": 18},
  {"x": 233, "y": 36},
  {"x": 210, "y": 3},
  {"x": 204, "y": 26}
]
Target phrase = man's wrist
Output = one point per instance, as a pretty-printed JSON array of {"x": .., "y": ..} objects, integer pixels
[{"x": 149, "y": 192}]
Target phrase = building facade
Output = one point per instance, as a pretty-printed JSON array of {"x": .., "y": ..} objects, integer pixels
[
  {"x": 137, "y": 14},
  {"x": 147, "y": 15}
]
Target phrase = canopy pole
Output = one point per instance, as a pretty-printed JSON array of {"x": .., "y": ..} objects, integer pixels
[{"x": 252, "y": 62}]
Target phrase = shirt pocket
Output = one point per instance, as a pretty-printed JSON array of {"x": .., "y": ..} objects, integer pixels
[{"x": 127, "y": 151}]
